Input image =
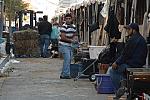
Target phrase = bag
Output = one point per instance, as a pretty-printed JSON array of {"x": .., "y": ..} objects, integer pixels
[
  {"x": 104, "y": 56},
  {"x": 108, "y": 55}
]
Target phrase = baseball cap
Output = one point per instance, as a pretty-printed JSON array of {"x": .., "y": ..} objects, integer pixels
[{"x": 132, "y": 26}]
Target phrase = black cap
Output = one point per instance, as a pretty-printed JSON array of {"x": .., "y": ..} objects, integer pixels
[
  {"x": 68, "y": 15},
  {"x": 134, "y": 26}
]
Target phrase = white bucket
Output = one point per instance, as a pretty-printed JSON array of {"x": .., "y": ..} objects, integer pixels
[{"x": 95, "y": 51}]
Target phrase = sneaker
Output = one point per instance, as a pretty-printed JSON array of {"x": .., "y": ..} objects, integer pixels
[{"x": 65, "y": 77}]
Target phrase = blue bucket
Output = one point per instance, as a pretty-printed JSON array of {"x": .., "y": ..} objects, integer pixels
[
  {"x": 75, "y": 69},
  {"x": 104, "y": 84}
]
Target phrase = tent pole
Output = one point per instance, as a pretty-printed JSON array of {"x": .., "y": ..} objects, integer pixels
[{"x": 125, "y": 13}]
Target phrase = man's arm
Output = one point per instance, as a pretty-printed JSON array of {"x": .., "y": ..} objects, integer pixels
[
  {"x": 130, "y": 48},
  {"x": 127, "y": 52},
  {"x": 120, "y": 60},
  {"x": 64, "y": 38}
]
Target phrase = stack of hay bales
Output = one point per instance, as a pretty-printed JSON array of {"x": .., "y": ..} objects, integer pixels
[{"x": 26, "y": 43}]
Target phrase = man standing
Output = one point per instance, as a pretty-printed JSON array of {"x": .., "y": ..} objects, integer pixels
[
  {"x": 67, "y": 35},
  {"x": 133, "y": 56},
  {"x": 44, "y": 29}
]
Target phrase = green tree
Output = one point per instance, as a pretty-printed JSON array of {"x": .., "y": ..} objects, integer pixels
[{"x": 11, "y": 7}]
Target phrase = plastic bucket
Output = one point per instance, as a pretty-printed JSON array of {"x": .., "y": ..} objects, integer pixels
[
  {"x": 104, "y": 84},
  {"x": 75, "y": 69}
]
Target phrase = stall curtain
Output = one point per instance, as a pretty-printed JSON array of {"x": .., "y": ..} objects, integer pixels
[
  {"x": 133, "y": 11},
  {"x": 145, "y": 21},
  {"x": 94, "y": 26}
]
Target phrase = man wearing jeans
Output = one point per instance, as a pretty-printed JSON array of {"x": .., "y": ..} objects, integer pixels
[
  {"x": 133, "y": 56},
  {"x": 44, "y": 28},
  {"x": 67, "y": 35}
]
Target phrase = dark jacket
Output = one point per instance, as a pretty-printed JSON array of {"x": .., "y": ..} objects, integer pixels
[
  {"x": 135, "y": 52},
  {"x": 44, "y": 27}
]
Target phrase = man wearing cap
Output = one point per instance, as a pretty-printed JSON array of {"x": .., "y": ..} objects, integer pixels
[{"x": 133, "y": 56}]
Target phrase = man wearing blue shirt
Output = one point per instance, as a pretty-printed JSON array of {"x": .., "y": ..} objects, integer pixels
[{"x": 133, "y": 56}]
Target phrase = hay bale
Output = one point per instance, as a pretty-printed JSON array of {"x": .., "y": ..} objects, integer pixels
[
  {"x": 25, "y": 35},
  {"x": 26, "y": 43}
]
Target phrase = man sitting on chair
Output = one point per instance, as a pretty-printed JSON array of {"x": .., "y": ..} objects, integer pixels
[{"x": 133, "y": 56}]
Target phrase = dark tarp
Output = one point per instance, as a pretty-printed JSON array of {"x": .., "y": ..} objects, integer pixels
[{"x": 112, "y": 26}]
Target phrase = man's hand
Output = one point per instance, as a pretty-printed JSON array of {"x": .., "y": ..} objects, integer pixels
[
  {"x": 114, "y": 66},
  {"x": 74, "y": 41}
]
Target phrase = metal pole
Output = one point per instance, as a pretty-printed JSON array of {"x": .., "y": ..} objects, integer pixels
[
  {"x": 88, "y": 11},
  {"x": 125, "y": 13},
  {"x": 135, "y": 4},
  {"x": 132, "y": 11},
  {"x": 1, "y": 16}
]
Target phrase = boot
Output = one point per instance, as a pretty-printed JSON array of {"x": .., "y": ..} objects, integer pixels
[{"x": 120, "y": 92}]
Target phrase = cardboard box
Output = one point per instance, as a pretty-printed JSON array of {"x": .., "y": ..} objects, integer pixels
[
  {"x": 111, "y": 97},
  {"x": 103, "y": 68}
]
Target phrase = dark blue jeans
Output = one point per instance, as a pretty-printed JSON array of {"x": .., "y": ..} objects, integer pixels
[
  {"x": 44, "y": 44},
  {"x": 118, "y": 74}
]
